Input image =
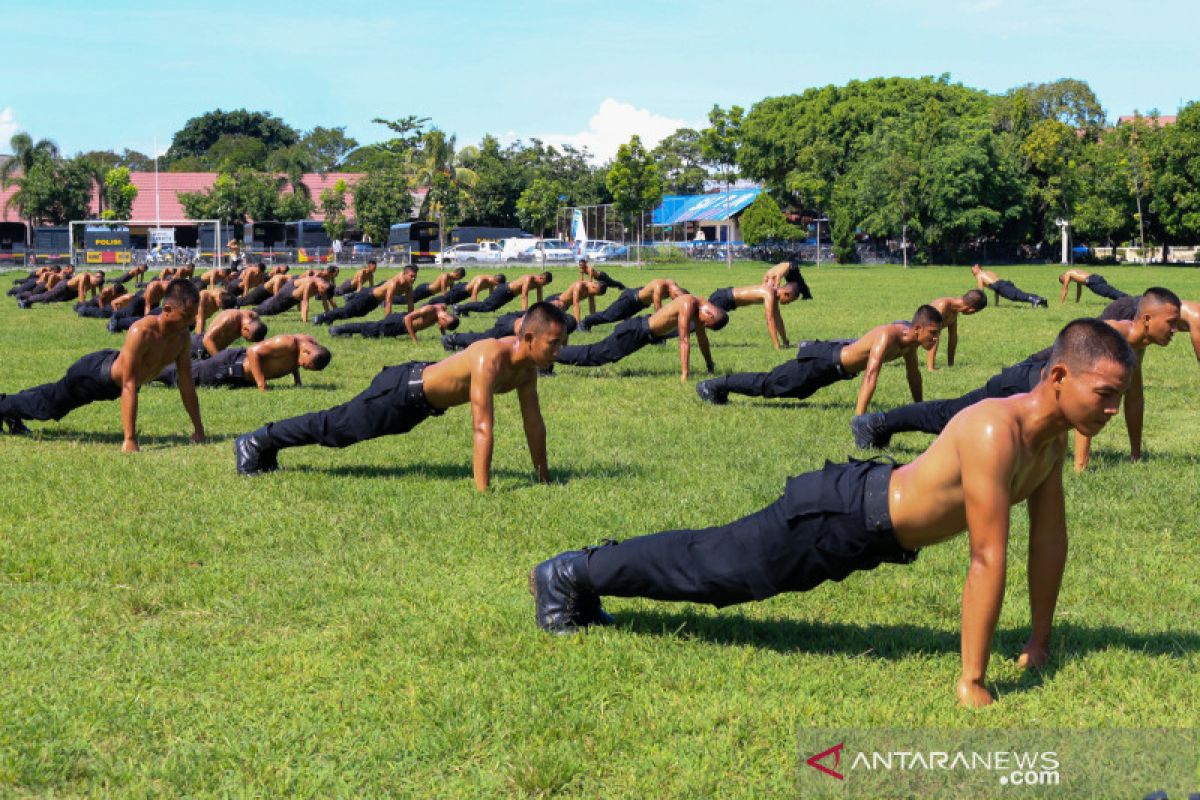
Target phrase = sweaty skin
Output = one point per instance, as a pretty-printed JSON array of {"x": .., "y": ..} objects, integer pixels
[
  {"x": 210, "y": 303},
  {"x": 151, "y": 344},
  {"x": 426, "y": 317},
  {"x": 309, "y": 287},
  {"x": 776, "y": 274},
  {"x": 1189, "y": 320},
  {"x": 215, "y": 276},
  {"x": 881, "y": 345},
  {"x": 443, "y": 283},
  {"x": 526, "y": 282},
  {"x": 656, "y": 290},
  {"x": 364, "y": 276},
  {"x": 770, "y": 297},
  {"x": 990, "y": 457},
  {"x": 1156, "y": 327},
  {"x": 579, "y": 290},
  {"x": 86, "y": 283},
  {"x": 227, "y": 327},
  {"x": 252, "y": 276},
  {"x": 279, "y": 356},
  {"x": 683, "y": 315},
  {"x": 495, "y": 366},
  {"x": 481, "y": 282},
  {"x": 949, "y": 308},
  {"x": 1076, "y": 276}
]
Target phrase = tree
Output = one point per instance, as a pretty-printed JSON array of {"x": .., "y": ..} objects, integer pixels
[
  {"x": 26, "y": 154},
  {"x": 1176, "y": 195},
  {"x": 333, "y": 206},
  {"x": 119, "y": 193},
  {"x": 634, "y": 181},
  {"x": 381, "y": 198},
  {"x": 1105, "y": 208},
  {"x": 538, "y": 205},
  {"x": 499, "y": 185},
  {"x": 447, "y": 183},
  {"x": 53, "y": 191},
  {"x": 1051, "y": 151},
  {"x": 199, "y": 134},
  {"x": 1068, "y": 101},
  {"x": 327, "y": 148},
  {"x": 232, "y": 152},
  {"x": 293, "y": 162},
  {"x": 96, "y": 169},
  {"x": 245, "y": 195},
  {"x": 680, "y": 159},
  {"x": 763, "y": 221}
]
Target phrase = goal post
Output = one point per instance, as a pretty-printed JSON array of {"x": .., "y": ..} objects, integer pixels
[{"x": 152, "y": 225}]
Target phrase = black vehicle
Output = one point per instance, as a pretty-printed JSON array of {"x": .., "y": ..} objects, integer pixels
[
  {"x": 51, "y": 245},
  {"x": 417, "y": 241},
  {"x": 206, "y": 234},
  {"x": 472, "y": 234},
  {"x": 310, "y": 241},
  {"x": 13, "y": 241}
]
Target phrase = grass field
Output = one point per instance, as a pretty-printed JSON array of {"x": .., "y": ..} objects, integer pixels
[{"x": 358, "y": 624}]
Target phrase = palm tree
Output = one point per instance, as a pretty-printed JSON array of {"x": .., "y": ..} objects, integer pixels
[
  {"x": 26, "y": 155},
  {"x": 438, "y": 168},
  {"x": 293, "y": 162}
]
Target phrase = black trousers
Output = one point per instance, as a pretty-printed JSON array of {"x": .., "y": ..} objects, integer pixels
[
  {"x": 255, "y": 296},
  {"x": 344, "y": 288},
  {"x": 393, "y": 403},
  {"x": 723, "y": 299},
  {"x": 87, "y": 380},
  {"x": 500, "y": 296},
  {"x": 1122, "y": 308},
  {"x": 282, "y": 301},
  {"x": 421, "y": 292},
  {"x": 1102, "y": 287},
  {"x": 359, "y": 304},
  {"x": 59, "y": 294},
  {"x": 123, "y": 322},
  {"x": 224, "y": 369},
  {"x": 933, "y": 416},
  {"x": 89, "y": 311},
  {"x": 608, "y": 280},
  {"x": 1007, "y": 290},
  {"x": 198, "y": 350},
  {"x": 135, "y": 308},
  {"x": 828, "y": 524},
  {"x": 816, "y": 365},
  {"x": 124, "y": 277},
  {"x": 628, "y": 337},
  {"x": 455, "y": 294},
  {"x": 503, "y": 327},
  {"x": 625, "y": 306},
  {"x": 391, "y": 325},
  {"x": 22, "y": 286}
]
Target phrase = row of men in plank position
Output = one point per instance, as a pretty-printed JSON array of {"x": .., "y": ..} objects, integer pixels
[{"x": 1007, "y": 448}]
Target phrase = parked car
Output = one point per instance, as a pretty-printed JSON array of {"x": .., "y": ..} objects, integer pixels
[
  {"x": 548, "y": 250},
  {"x": 607, "y": 251},
  {"x": 466, "y": 253}
]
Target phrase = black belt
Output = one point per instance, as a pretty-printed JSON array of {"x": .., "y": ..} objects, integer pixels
[
  {"x": 416, "y": 388},
  {"x": 875, "y": 499}
]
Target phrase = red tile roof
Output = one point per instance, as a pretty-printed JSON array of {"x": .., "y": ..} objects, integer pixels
[{"x": 1163, "y": 121}]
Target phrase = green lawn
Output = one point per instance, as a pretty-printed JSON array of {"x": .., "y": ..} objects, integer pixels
[{"x": 358, "y": 623}]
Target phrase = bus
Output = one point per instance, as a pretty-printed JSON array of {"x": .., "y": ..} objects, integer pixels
[
  {"x": 205, "y": 247},
  {"x": 473, "y": 234},
  {"x": 310, "y": 241},
  {"x": 13, "y": 239},
  {"x": 106, "y": 245},
  {"x": 414, "y": 242},
  {"x": 51, "y": 245}
]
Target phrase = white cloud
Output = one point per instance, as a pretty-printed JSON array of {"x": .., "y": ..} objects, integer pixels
[
  {"x": 612, "y": 126},
  {"x": 8, "y": 126}
]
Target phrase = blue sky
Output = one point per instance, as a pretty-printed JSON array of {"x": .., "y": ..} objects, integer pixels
[{"x": 566, "y": 71}]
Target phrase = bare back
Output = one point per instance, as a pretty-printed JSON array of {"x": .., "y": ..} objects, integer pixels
[
  {"x": 149, "y": 349},
  {"x": 857, "y": 354},
  {"x": 448, "y": 382}
]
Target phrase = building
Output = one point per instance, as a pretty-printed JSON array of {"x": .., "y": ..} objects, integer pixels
[{"x": 714, "y": 216}]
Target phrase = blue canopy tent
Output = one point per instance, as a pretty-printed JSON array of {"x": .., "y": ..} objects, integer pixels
[{"x": 717, "y": 209}]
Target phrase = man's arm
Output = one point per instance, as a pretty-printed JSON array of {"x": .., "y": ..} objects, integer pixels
[
  {"x": 951, "y": 343},
  {"x": 1062, "y": 296},
  {"x": 871, "y": 376},
  {"x": 408, "y": 294},
  {"x": 1078, "y": 291},
  {"x": 687, "y": 311},
  {"x": 200, "y": 316},
  {"x": 535, "y": 428},
  {"x": 130, "y": 353},
  {"x": 408, "y": 326},
  {"x": 1047, "y": 560},
  {"x": 912, "y": 370},
  {"x": 524, "y": 295},
  {"x": 388, "y": 294},
  {"x": 1194, "y": 333},
  {"x": 771, "y": 310},
  {"x": 305, "y": 293},
  {"x": 987, "y": 460},
  {"x": 657, "y": 296},
  {"x": 254, "y": 367},
  {"x": 209, "y": 344},
  {"x": 483, "y": 383},
  {"x": 187, "y": 392}
]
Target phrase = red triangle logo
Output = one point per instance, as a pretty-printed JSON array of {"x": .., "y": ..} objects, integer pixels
[{"x": 836, "y": 752}]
